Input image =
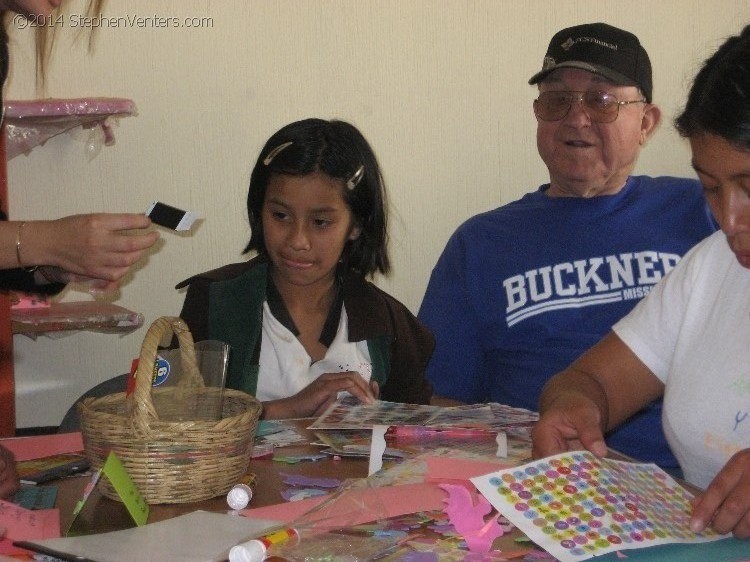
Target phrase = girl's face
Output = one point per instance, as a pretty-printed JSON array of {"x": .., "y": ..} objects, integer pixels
[
  {"x": 30, "y": 7},
  {"x": 724, "y": 171},
  {"x": 306, "y": 225}
]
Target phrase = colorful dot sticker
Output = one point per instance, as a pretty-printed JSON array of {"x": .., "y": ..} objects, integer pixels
[{"x": 577, "y": 506}]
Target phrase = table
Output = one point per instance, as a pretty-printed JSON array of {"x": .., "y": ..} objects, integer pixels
[{"x": 108, "y": 515}]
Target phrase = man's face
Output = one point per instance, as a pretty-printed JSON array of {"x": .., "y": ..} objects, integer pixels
[{"x": 585, "y": 158}]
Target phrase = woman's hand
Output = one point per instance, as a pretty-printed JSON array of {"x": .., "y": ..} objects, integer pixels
[
  {"x": 8, "y": 477},
  {"x": 725, "y": 505},
  {"x": 319, "y": 394},
  {"x": 96, "y": 247},
  {"x": 571, "y": 422}
]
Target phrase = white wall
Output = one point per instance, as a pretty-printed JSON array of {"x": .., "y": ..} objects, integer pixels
[{"x": 438, "y": 87}]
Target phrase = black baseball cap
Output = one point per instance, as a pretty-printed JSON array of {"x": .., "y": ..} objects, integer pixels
[{"x": 603, "y": 49}]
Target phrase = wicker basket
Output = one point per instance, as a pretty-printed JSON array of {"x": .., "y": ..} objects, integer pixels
[{"x": 170, "y": 461}]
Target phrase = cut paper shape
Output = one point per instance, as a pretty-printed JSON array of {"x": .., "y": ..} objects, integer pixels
[
  {"x": 126, "y": 489},
  {"x": 468, "y": 518},
  {"x": 502, "y": 444},
  {"x": 377, "y": 448},
  {"x": 576, "y": 506},
  {"x": 115, "y": 472}
]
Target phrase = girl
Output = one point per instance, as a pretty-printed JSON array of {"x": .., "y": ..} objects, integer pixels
[{"x": 302, "y": 321}]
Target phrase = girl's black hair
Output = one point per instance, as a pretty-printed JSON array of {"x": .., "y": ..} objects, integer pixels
[
  {"x": 339, "y": 150},
  {"x": 719, "y": 99}
]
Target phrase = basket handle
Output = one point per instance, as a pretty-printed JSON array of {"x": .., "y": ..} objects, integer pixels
[{"x": 143, "y": 410}]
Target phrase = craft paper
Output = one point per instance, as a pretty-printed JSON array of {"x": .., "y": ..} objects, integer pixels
[
  {"x": 25, "y": 524},
  {"x": 446, "y": 468},
  {"x": 39, "y": 446},
  {"x": 126, "y": 489},
  {"x": 577, "y": 506},
  {"x": 396, "y": 501}
]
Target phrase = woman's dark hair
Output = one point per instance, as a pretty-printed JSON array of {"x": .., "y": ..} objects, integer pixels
[
  {"x": 338, "y": 150},
  {"x": 719, "y": 100}
]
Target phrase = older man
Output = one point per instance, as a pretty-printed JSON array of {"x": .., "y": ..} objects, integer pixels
[{"x": 521, "y": 291}]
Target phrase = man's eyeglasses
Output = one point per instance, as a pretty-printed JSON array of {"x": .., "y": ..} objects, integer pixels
[{"x": 601, "y": 107}]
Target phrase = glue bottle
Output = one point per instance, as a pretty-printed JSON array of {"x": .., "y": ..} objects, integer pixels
[
  {"x": 241, "y": 494},
  {"x": 257, "y": 550}
]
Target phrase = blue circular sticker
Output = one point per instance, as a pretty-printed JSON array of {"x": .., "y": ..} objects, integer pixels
[{"x": 161, "y": 371}]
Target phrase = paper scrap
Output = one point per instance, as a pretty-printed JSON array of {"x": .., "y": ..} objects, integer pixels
[
  {"x": 397, "y": 500},
  {"x": 302, "y": 480},
  {"x": 377, "y": 448}
]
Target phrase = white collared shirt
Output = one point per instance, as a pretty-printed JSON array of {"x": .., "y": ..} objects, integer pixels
[{"x": 286, "y": 368}]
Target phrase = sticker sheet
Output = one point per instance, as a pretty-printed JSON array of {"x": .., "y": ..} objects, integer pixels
[
  {"x": 349, "y": 413},
  {"x": 577, "y": 506}
]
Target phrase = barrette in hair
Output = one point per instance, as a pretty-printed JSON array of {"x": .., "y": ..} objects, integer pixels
[
  {"x": 353, "y": 181},
  {"x": 275, "y": 152}
]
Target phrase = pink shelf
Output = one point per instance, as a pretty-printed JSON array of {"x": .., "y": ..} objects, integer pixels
[{"x": 29, "y": 123}]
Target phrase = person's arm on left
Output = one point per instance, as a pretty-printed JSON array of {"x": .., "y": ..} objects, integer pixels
[
  {"x": 599, "y": 391},
  {"x": 725, "y": 505},
  {"x": 99, "y": 247}
]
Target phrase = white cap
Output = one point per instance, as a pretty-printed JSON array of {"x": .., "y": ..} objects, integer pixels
[
  {"x": 239, "y": 496},
  {"x": 250, "y": 551}
]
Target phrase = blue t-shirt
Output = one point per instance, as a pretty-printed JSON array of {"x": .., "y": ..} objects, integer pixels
[{"x": 521, "y": 291}]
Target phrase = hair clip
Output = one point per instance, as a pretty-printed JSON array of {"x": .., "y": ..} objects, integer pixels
[
  {"x": 275, "y": 152},
  {"x": 353, "y": 181}
]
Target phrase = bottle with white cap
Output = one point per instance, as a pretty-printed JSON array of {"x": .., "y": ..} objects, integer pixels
[{"x": 240, "y": 495}]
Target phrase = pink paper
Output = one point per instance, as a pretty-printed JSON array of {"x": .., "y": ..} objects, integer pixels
[
  {"x": 444, "y": 468},
  {"x": 468, "y": 518},
  {"x": 40, "y": 446},
  {"x": 396, "y": 500},
  {"x": 27, "y": 525}
]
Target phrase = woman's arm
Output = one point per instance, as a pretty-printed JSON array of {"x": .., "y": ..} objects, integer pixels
[{"x": 600, "y": 390}]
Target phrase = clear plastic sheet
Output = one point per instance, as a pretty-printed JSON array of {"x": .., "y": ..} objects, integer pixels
[
  {"x": 91, "y": 316},
  {"x": 29, "y": 123}
]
